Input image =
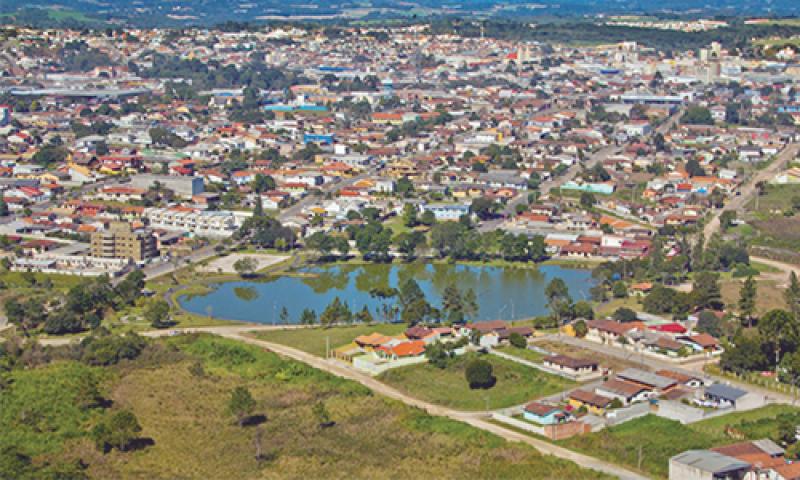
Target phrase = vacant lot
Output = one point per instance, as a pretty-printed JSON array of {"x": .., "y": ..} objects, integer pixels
[
  {"x": 516, "y": 384},
  {"x": 769, "y": 295},
  {"x": 647, "y": 443},
  {"x": 313, "y": 340},
  {"x": 182, "y": 410}
]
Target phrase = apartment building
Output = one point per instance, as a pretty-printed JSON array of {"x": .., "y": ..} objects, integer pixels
[
  {"x": 121, "y": 241},
  {"x": 205, "y": 223}
]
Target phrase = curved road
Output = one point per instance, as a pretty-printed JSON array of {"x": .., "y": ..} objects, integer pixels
[{"x": 475, "y": 419}]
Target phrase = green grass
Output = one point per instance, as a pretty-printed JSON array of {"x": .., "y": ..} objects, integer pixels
[
  {"x": 660, "y": 438},
  {"x": 516, "y": 384},
  {"x": 523, "y": 353},
  {"x": 39, "y": 412},
  {"x": 21, "y": 280},
  {"x": 312, "y": 340},
  {"x": 193, "y": 436}
]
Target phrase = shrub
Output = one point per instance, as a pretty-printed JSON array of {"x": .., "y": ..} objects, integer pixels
[
  {"x": 479, "y": 374},
  {"x": 624, "y": 315},
  {"x": 517, "y": 340}
]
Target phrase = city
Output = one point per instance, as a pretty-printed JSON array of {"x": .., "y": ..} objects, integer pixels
[{"x": 419, "y": 248}]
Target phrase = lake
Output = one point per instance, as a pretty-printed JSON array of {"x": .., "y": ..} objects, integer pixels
[{"x": 502, "y": 293}]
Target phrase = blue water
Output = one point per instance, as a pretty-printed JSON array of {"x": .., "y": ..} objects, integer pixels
[{"x": 502, "y": 293}]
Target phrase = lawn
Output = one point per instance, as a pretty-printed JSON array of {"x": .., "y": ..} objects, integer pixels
[
  {"x": 657, "y": 439},
  {"x": 182, "y": 411},
  {"x": 516, "y": 384},
  {"x": 523, "y": 353},
  {"x": 313, "y": 340}
]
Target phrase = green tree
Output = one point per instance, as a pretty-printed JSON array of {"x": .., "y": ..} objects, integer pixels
[
  {"x": 558, "y": 298},
  {"x": 583, "y": 309},
  {"x": 322, "y": 415},
  {"x": 624, "y": 315},
  {"x": 410, "y": 215},
  {"x": 484, "y": 208},
  {"x": 581, "y": 329},
  {"x": 479, "y": 374},
  {"x": 453, "y": 304},
  {"x": 747, "y": 300},
  {"x": 470, "y": 304},
  {"x": 587, "y": 200},
  {"x": 308, "y": 317},
  {"x": 792, "y": 296},
  {"x": 778, "y": 327},
  {"x": 790, "y": 366},
  {"x": 517, "y": 340},
  {"x": 157, "y": 313},
  {"x": 705, "y": 291},
  {"x": 241, "y": 404},
  {"x": 245, "y": 266},
  {"x": 619, "y": 289},
  {"x": 336, "y": 313},
  {"x": 116, "y": 430}
]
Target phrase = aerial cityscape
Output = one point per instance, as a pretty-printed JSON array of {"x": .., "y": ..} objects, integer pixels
[{"x": 406, "y": 240}]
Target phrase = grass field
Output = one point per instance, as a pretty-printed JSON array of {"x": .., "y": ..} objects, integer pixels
[
  {"x": 516, "y": 384},
  {"x": 769, "y": 295},
  {"x": 312, "y": 340},
  {"x": 183, "y": 414},
  {"x": 767, "y": 223},
  {"x": 657, "y": 439}
]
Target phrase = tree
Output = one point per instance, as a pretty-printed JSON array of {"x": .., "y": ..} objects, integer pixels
[
  {"x": 558, "y": 298},
  {"x": 778, "y": 326},
  {"x": 583, "y": 309},
  {"x": 747, "y": 355},
  {"x": 157, "y": 313},
  {"x": 483, "y": 208},
  {"x": 747, "y": 300},
  {"x": 427, "y": 218},
  {"x": 437, "y": 355},
  {"x": 245, "y": 266},
  {"x": 116, "y": 430},
  {"x": 479, "y": 374},
  {"x": 624, "y": 315},
  {"x": 308, "y": 317},
  {"x": 3, "y": 207},
  {"x": 790, "y": 366},
  {"x": 580, "y": 328},
  {"x": 792, "y": 296},
  {"x": 410, "y": 215},
  {"x": 706, "y": 291},
  {"x": 587, "y": 200},
  {"x": 470, "y": 304},
  {"x": 619, "y": 289},
  {"x": 336, "y": 313},
  {"x": 517, "y": 340},
  {"x": 708, "y": 322},
  {"x": 697, "y": 115},
  {"x": 453, "y": 304},
  {"x": 241, "y": 404},
  {"x": 364, "y": 316}
]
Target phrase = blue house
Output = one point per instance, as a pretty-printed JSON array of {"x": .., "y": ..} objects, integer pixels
[{"x": 544, "y": 414}]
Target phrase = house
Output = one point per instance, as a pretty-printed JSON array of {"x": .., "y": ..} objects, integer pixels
[
  {"x": 683, "y": 379},
  {"x": 608, "y": 330},
  {"x": 706, "y": 465},
  {"x": 626, "y": 392},
  {"x": 702, "y": 342},
  {"x": 726, "y": 396},
  {"x": 594, "y": 403},
  {"x": 544, "y": 414},
  {"x": 570, "y": 365},
  {"x": 648, "y": 380},
  {"x": 413, "y": 348}
]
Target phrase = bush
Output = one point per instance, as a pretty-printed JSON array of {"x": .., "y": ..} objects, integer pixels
[
  {"x": 517, "y": 340},
  {"x": 624, "y": 315},
  {"x": 479, "y": 374}
]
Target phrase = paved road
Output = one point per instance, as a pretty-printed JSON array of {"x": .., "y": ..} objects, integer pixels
[{"x": 748, "y": 190}]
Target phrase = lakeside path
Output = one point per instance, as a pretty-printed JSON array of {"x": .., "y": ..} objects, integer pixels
[{"x": 476, "y": 419}]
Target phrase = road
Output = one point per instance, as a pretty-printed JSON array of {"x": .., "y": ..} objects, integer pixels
[
  {"x": 597, "y": 157},
  {"x": 694, "y": 368},
  {"x": 748, "y": 190},
  {"x": 154, "y": 270},
  {"x": 476, "y": 419}
]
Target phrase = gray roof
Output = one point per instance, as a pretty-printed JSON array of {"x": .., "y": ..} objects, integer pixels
[
  {"x": 726, "y": 392},
  {"x": 769, "y": 447},
  {"x": 709, "y": 461},
  {"x": 646, "y": 378}
]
